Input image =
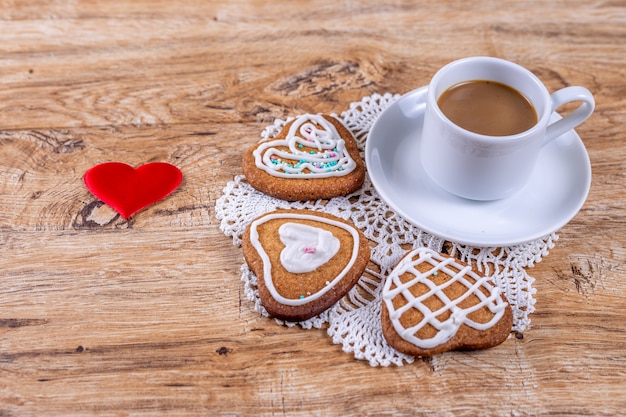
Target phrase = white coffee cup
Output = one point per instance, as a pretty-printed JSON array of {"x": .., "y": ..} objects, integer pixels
[{"x": 481, "y": 167}]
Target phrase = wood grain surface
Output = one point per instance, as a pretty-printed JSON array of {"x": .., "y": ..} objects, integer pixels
[{"x": 102, "y": 316}]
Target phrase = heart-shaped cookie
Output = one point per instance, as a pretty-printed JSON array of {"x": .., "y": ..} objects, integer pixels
[
  {"x": 312, "y": 157},
  {"x": 305, "y": 261},
  {"x": 126, "y": 189},
  {"x": 433, "y": 303}
]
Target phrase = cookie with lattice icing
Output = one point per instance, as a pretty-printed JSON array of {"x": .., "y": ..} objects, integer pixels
[
  {"x": 434, "y": 303},
  {"x": 304, "y": 261},
  {"x": 312, "y": 157}
]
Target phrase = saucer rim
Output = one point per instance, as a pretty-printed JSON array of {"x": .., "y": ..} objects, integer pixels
[{"x": 458, "y": 236}]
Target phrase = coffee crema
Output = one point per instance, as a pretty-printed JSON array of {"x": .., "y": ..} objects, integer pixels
[{"x": 487, "y": 108}]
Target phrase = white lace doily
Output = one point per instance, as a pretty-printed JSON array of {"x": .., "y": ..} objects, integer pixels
[{"x": 354, "y": 322}]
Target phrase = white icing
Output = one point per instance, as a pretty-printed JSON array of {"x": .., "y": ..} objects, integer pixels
[
  {"x": 321, "y": 152},
  {"x": 447, "y": 328},
  {"x": 267, "y": 265},
  {"x": 306, "y": 247}
]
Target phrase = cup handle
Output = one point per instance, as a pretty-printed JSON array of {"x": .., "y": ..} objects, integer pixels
[{"x": 566, "y": 95}]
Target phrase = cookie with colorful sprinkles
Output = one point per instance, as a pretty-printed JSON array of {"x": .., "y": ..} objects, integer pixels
[
  {"x": 305, "y": 261},
  {"x": 314, "y": 156},
  {"x": 434, "y": 303}
]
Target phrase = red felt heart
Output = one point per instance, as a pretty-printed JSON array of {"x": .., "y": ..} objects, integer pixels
[{"x": 126, "y": 189}]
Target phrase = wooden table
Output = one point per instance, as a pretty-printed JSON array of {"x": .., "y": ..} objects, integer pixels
[{"x": 101, "y": 316}]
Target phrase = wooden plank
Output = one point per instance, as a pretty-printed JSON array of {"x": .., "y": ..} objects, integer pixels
[{"x": 101, "y": 316}]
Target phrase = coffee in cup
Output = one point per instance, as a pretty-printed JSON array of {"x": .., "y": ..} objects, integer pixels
[
  {"x": 488, "y": 108},
  {"x": 470, "y": 159}
]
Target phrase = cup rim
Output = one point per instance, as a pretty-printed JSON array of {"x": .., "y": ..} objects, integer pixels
[{"x": 542, "y": 119}]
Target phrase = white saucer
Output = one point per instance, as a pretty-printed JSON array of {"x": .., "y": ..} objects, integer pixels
[{"x": 555, "y": 193}]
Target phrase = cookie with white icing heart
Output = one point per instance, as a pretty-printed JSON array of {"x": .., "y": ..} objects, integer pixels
[
  {"x": 312, "y": 157},
  {"x": 305, "y": 261},
  {"x": 434, "y": 303}
]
